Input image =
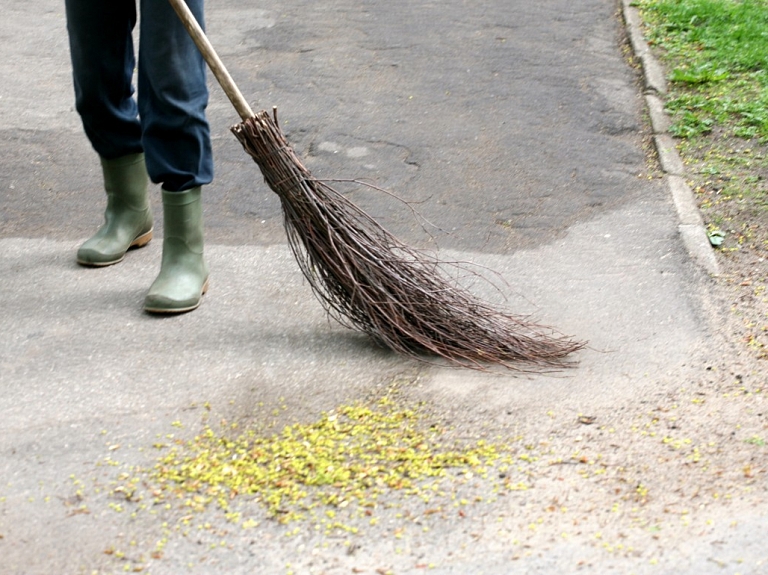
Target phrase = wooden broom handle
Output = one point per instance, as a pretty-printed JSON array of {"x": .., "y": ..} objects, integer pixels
[{"x": 212, "y": 59}]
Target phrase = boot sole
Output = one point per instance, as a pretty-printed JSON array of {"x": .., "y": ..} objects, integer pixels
[
  {"x": 167, "y": 311},
  {"x": 139, "y": 242}
]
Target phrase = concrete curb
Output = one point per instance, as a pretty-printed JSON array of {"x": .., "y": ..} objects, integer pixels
[{"x": 691, "y": 226}]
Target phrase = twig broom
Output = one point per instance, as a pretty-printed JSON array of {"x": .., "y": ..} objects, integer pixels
[{"x": 367, "y": 279}]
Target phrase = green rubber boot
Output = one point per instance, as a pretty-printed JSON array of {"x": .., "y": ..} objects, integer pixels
[
  {"x": 183, "y": 277},
  {"x": 128, "y": 217}
]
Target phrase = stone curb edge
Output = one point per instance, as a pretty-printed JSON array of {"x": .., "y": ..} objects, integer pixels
[{"x": 691, "y": 226}]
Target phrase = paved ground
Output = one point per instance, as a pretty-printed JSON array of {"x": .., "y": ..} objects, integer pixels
[{"x": 515, "y": 127}]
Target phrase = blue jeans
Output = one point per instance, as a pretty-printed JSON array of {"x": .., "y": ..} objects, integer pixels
[{"x": 167, "y": 121}]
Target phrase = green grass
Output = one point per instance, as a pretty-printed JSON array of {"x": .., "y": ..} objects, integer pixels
[{"x": 717, "y": 51}]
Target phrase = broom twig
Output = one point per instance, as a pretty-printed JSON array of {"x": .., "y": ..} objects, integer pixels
[{"x": 367, "y": 279}]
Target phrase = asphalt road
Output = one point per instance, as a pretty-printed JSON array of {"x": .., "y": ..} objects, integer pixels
[
  {"x": 515, "y": 128},
  {"x": 502, "y": 131}
]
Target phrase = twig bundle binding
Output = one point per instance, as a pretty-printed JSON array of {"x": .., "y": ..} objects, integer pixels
[{"x": 367, "y": 279}]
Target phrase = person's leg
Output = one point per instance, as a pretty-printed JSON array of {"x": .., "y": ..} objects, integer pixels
[
  {"x": 172, "y": 99},
  {"x": 103, "y": 61}
]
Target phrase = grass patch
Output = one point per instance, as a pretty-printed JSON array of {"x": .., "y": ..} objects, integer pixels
[
  {"x": 717, "y": 54},
  {"x": 718, "y": 51}
]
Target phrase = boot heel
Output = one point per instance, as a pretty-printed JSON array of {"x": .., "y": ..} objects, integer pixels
[{"x": 142, "y": 240}]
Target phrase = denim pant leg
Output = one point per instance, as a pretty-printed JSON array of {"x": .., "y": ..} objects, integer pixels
[
  {"x": 103, "y": 61},
  {"x": 173, "y": 96}
]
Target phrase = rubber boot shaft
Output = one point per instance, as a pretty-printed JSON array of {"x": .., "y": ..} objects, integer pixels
[
  {"x": 183, "y": 277},
  {"x": 128, "y": 216}
]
